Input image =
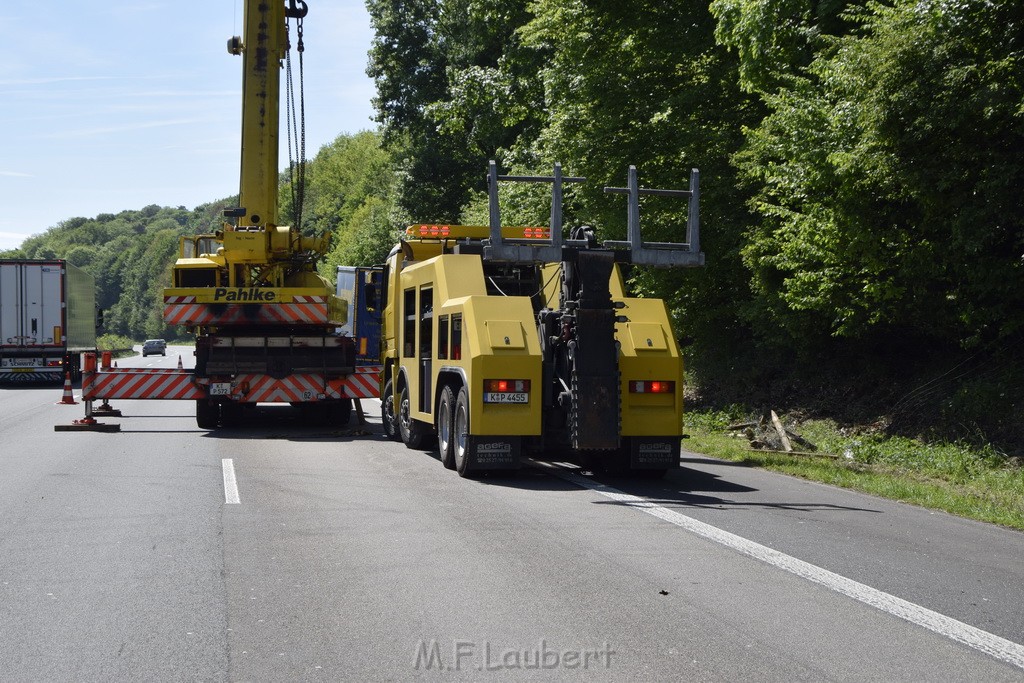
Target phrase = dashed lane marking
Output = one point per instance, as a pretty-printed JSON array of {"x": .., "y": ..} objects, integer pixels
[{"x": 230, "y": 483}]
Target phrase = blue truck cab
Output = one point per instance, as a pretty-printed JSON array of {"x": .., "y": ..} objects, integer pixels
[{"x": 354, "y": 283}]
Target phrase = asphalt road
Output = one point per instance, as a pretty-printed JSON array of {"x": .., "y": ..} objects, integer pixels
[{"x": 349, "y": 557}]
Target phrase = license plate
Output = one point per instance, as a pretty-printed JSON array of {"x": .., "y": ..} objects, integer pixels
[
  {"x": 507, "y": 397},
  {"x": 22, "y": 362},
  {"x": 220, "y": 389}
]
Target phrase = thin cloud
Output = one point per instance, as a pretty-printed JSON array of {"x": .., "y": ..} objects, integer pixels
[
  {"x": 46, "y": 80},
  {"x": 107, "y": 130},
  {"x": 16, "y": 174}
]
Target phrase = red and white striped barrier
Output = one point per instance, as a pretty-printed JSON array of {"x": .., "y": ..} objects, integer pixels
[
  {"x": 174, "y": 384},
  {"x": 141, "y": 383},
  {"x": 364, "y": 383},
  {"x": 184, "y": 310}
]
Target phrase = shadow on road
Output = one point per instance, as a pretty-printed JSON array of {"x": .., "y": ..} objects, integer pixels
[{"x": 690, "y": 487}]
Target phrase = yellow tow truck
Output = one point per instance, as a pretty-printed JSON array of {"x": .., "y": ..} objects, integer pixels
[{"x": 500, "y": 341}]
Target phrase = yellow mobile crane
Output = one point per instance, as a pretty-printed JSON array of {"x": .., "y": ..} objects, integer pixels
[
  {"x": 264, "y": 319},
  {"x": 500, "y": 341}
]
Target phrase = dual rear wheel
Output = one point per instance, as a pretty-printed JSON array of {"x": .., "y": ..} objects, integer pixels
[
  {"x": 453, "y": 430},
  {"x": 414, "y": 433}
]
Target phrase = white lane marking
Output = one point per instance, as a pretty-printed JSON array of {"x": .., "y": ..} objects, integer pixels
[
  {"x": 230, "y": 483},
  {"x": 989, "y": 643}
]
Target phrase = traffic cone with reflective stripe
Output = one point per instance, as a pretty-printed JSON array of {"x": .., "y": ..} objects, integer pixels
[
  {"x": 179, "y": 362},
  {"x": 68, "y": 398}
]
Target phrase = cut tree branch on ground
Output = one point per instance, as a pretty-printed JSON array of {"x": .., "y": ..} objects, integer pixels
[
  {"x": 770, "y": 434},
  {"x": 786, "y": 445}
]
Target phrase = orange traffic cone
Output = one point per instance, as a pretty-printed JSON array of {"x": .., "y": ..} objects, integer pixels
[
  {"x": 68, "y": 398},
  {"x": 179, "y": 362}
]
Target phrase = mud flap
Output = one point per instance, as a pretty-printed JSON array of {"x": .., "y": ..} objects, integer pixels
[
  {"x": 654, "y": 452},
  {"x": 494, "y": 452}
]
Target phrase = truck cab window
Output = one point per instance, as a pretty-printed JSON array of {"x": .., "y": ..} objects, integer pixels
[
  {"x": 426, "y": 321},
  {"x": 409, "y": 328},
  {"x": 442, "y": 337}
]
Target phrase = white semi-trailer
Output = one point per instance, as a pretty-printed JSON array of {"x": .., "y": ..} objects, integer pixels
[{"x": 47, "y": 319}]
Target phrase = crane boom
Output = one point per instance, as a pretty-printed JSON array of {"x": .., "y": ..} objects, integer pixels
[{"x": 263, "y": 46}]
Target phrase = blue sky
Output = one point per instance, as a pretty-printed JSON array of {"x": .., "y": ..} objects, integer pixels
[{"x": 108, "y": 105}]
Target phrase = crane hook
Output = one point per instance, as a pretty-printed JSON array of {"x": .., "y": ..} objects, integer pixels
[{"x": 296, "y": 9}]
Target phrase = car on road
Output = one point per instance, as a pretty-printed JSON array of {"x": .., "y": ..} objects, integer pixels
[{"x": 154, "y": 346}]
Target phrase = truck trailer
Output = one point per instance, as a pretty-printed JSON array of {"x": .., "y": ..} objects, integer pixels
[{"x": 47, "y": 319}]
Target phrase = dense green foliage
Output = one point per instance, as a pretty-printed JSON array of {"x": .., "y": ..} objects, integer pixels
[
  {"x": 896, "y": 206},
  {"x": 454, "y": 86}
]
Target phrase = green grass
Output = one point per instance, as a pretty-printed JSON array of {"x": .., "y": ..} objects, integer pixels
[{"x": 976, "y": 483}]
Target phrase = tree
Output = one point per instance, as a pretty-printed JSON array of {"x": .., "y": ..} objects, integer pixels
[
  {"x": 776, "y": 39},
  {"x": 454, "y": 89},
  {"x": 887, "y": 180}
]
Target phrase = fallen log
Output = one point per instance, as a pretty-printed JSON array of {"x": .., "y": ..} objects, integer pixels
[{"x": 786, "y": 445}]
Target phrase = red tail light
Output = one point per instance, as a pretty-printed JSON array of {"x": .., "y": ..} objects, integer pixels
[
  {"x": 504, "y": 385},
  {"x": 652, "y": 387}
]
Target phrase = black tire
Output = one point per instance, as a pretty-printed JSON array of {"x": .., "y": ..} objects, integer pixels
[
  {"x": 315, "y": 414},
  {"x": 388, "y": 417},
  {"x": 341, "y": 412},
  {"x": 231, "y": 414},
  {"x": 460, "y": 434},
  {"x": 207, "y": 414},
  {"x": 613, "y": 463},
  {"x": 650, "y": 474},
  {"x": 414, "y": 434},
  {"x": 444, "y": 425}
]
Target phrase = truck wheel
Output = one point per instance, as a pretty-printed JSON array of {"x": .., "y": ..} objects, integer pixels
[
  {"x": 231, "y": 414},
  {"x": 207, "y": 414},
  {"x": 341, "y": 412},
  {"x": 319, "y": 414},
  {"x": 460, "y": 434},
  {"x": 445, "y": 443},
  {"x": 413, "y": 433},
  {"x": 387, "y": 413}
]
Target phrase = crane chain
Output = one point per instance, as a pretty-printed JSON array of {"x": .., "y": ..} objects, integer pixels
[{"x": 296, "y": 171}]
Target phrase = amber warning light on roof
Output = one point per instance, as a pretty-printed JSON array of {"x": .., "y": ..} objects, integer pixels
[
  {"x": 460, "y": 231},
  {"x": 427, "y": 231}
]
